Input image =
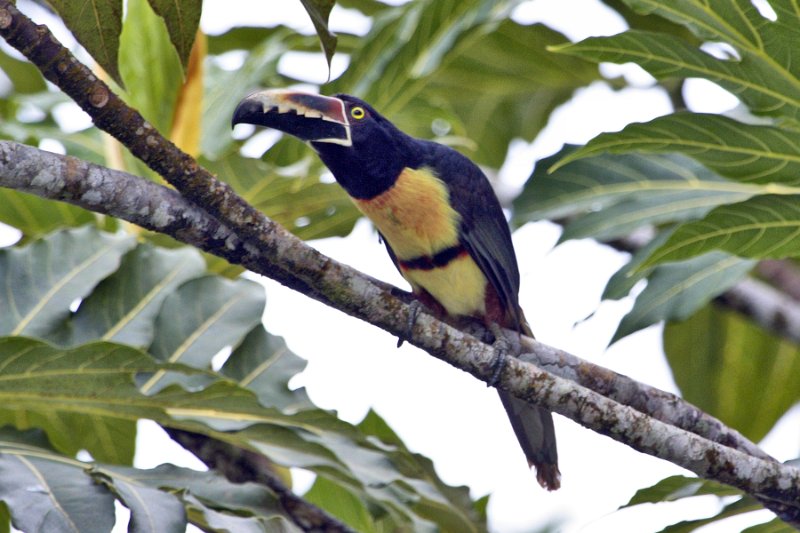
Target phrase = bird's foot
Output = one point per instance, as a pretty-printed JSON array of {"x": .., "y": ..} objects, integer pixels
[
  {"x": 501, "y": 346},
  {"x": 414, "y": 308}
]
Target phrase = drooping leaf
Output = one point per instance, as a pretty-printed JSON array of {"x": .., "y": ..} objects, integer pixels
[
  {"x": 97, "y": 25},
  {"x": 743, "y": 152},
  {"x": 676, "y": 290},
  {"x": 763, "y": 227},
  {"x": 723, "y": 363},
  {"x": 43, "y": 279},
  {"x": 35, "y": 216},
  {"x": 182, "y": 18},
  {"x": 202, "y": 317},
  {"x": 319, "y": 11},
  {"x": 123, "y": 307}
]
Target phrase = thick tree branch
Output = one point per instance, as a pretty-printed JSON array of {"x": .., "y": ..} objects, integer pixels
[
  {"x": 159, "y": 208},
  {"x": 284, "y": 256}
]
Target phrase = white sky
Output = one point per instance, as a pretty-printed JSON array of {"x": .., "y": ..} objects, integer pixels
[{"x": 446, "y": 414}]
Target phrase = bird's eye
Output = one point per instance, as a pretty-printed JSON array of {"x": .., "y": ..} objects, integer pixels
[{"x": 357, "y": 113}]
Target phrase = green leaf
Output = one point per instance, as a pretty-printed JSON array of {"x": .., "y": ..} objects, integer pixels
[
  {"x": 227, "y": 88},
  {"x": 662, "y": 183},
  {"x": 319, "y": 11},
  {"x": 24, "y": 76},
  {"x": 35, "y": 216},
  {"x": 723, "y": 363},
  {"x": 743, "y": 152},
  {"x": 442, "y": 59},
  {"x": 763, "y": 227},
  {"x": 43, "y": 279},
  {"x": 149, "y": 65},
  {"x": 675, "y": 488},
  {"x": 201, "y": 318},
  {"x": 307, "y": 207},
  {"x": 152, "y": 510},
  {"x": 45, "y": 495},
  {"x": 182, "y": 18},
  {"x": 675, "y": 291},
  {"x": 97, "y": 25},
  {"x": 757, "y": 80},
  {"x": 343, "y": 504},
  {"x": 99, "y": 380},
  {"x": 264, "y": 364},
  {"x": 210, "y": 518},
  {"x": 123, "y": 307},
  {"x": 739, "y": 23},
  {"x": 492, "y": 114}
]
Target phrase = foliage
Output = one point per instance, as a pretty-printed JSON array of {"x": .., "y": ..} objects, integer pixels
[{"x": 105, "y": 324}]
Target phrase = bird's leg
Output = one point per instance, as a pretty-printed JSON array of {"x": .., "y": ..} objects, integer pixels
[
  {"x": 502, "y": 346},
  {"x": 414, "y": 308}
]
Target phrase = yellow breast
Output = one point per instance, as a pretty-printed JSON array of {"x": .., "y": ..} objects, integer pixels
[
  {"x": 414, "y": 215},
  {"x": 416, "y": 219}
]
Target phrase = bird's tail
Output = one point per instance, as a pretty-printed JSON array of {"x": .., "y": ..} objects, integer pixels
[
  {"x": 534, "y": 429},
  {"x": 537, "y": 437}
]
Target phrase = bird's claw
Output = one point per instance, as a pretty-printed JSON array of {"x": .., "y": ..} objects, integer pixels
[
  {"x": 413, "y": 312},
  {"x": 501, "y": 347}
]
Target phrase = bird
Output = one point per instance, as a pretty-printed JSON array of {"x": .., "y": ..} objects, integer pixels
[{"x": 437, "y": 215}]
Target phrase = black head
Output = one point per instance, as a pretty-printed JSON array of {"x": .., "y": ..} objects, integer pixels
[{"x": 363, "y": 149}]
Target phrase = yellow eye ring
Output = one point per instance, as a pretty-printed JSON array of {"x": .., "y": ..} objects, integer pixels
[{"x": 357, "y": 113}]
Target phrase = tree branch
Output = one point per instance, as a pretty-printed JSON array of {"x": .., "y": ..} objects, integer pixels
[
  {"x": 284, "y": 256},
  {"x": 159, "y": 208}
]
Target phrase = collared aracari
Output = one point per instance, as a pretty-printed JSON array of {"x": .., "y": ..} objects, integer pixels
[{"x": 437, "y": 214}]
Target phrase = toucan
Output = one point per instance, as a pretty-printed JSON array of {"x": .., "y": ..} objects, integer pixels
[{"x": 438, "y": 217}]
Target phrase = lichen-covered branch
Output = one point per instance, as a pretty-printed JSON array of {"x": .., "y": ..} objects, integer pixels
[
  {"x": 283, "y": 256},
  {"x": 650, "y": 422}
]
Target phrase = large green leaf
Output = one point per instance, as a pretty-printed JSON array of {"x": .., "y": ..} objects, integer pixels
[
  {"x": 763, "y": 227},
  {"x": 675, "y": 291},
  {"x": 100, "y": 380},
  {"x": 723, "y": 364},
  {"x": 740, "y": 24},
  {"x": 97, "y": 25},
  {"x": 182, "y": 18},
  {"x": 201, "y": 318},
  {"x": 609, "y": 195},
  {"x": 758, "y": 81},
  {"x": 43, "y": 279},
  {"x": 743, "y": 152},
  {"x": 123, "y": 307}
]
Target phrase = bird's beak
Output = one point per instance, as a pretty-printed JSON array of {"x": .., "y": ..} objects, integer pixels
[{"x": 309, "y": 117}]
